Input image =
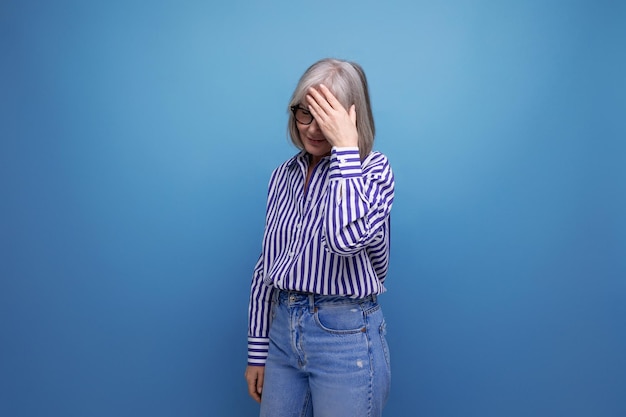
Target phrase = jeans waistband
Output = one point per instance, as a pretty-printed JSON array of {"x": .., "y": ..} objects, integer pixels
[{"x": 312, "y": 300}]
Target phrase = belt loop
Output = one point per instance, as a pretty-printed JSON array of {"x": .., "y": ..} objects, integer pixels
[
  {"x": 374, "y": 297},
  {"x": 312, "y": 303},
  {"x": 275, "y": 295}
]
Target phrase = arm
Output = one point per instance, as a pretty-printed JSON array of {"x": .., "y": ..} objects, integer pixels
[
  {"x": 258, "y": 317},
  {"x": 258, "y": 328},
  {"x": 260, "y": 298},
  {"x": 359, "y": 201},
  {"x": 360, "y": 197},
  {"x": 258, "y": 321}
]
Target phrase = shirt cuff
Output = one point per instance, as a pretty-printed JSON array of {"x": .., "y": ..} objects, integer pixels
[
  {"x": 345, "y": 162},
  {"x": 257, "y": 350}
]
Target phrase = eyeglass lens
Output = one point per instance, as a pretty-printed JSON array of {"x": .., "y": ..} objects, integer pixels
[{"x": 303, "y": 116}]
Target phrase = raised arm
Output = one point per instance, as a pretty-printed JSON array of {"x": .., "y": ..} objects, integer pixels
[{"x": 359, "y": 200}]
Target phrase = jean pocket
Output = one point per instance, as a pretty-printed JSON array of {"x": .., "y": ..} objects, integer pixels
[
  {"x": 383, "y": 338},
  {"x": 340, "y": 320}
]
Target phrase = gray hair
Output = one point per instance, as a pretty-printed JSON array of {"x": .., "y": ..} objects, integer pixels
[{"x": 346, "y": 80}]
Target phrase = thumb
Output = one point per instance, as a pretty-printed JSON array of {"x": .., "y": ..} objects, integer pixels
[
  {"x": 259, "y": 383},
  {"x": 352, "y": 113}
]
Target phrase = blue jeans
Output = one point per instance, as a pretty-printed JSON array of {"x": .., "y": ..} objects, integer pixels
[{"x": 328, "y": 357}]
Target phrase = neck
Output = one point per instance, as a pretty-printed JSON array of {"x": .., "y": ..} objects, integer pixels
[{"x": 314, "y": 160}]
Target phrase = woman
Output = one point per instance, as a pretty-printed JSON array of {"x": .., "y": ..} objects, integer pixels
[{"x": 324, "y": 259}]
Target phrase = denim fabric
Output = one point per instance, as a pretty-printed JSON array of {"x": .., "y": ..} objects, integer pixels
[{"x": 328, "y": 357}]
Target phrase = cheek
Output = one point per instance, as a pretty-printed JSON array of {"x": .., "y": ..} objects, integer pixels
[{"x": 301, "y": 130}]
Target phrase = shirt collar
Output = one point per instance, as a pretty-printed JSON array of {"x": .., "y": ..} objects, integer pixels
[
  {"x": 300, "y": 156},
  {"x": 303, "y": 158}
]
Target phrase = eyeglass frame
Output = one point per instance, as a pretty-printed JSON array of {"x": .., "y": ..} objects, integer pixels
[{"x": 294, "y": 110}]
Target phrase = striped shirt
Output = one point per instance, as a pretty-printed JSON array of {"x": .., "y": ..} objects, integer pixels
[{"x": 330, "y": 239}]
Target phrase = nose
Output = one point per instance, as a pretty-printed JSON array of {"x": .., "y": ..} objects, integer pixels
[{"x": 313, "y": 127}]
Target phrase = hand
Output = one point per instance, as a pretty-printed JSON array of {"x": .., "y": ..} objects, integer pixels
[
  {"x": 254, "y": 376},
  {"x": 337, "y": 124}
]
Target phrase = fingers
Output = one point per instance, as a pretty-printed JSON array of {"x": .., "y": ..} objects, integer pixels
[
  {"x": 352, "y": 113},
  {"x": 323, "y": 98},
  {"x": 330, "y": 98},
  {"x": 252, "y": 389},
  {"x": 254, "y": 377},
  {"x": 259, "y": 382},
  {"x": 314, "y": 107},
  {"x": 323, "y": 104},
  {"x": 337, "y": 123}
]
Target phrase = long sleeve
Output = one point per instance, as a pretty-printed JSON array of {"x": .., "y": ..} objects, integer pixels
[
  {"x": 332, "y": 239},
  {"x": 359, "y": 200},
  {"x": 259, "y": 317},
  {"x": 260, "y": 302}
]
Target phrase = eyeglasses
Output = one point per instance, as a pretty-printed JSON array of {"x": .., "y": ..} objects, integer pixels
[{"x": 302, "y": 115}]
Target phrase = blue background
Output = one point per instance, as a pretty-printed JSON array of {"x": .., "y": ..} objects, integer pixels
[{"x": 137, "y": 139}]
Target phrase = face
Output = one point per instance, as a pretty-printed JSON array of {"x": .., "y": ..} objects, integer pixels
[{"x": 310, "y": 134}]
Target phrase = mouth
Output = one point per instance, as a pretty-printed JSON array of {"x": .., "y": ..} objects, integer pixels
[{"x": 322, "y": 140}]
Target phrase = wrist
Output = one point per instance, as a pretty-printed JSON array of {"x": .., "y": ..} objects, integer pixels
[{"x": 346, "y": 144}]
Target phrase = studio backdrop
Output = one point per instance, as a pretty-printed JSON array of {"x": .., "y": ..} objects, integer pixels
[{"x": 136, "y": 143}]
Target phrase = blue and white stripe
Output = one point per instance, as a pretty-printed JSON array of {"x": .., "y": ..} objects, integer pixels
[{"x": 332, "y": 239}]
